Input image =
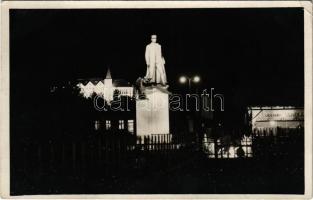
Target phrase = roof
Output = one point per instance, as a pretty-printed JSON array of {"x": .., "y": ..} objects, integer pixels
[
  {"x": 274, "y": 107},
  {"x": 108, "y": 76},
  {"x": 115, "y": 82}
]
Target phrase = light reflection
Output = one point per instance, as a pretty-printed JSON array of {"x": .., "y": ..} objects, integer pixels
[{"x": 228, "y": 151}]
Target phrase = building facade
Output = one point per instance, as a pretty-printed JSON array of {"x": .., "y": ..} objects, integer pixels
[
  {"x": 105, "y": 87},
  {"x": 106, "y": 120},
  {"x": 271, "y": 118}
]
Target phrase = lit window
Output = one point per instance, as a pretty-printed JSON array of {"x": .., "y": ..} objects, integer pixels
[
  {"x": 246, "y": 143},
  {"x": 130, "y": 126},
  {"x": 248, "y": 151},
  {"x": 120, "y": 124},
  {"x": 107, "y": 124},
  {"x": 97, "y": 125}
]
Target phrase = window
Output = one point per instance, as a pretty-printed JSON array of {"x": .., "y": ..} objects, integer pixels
[
  {"x": 246, "y": 143},
  {"x": 97, "y": 125},
  {"x": 107, "y": 124},
  {"x": 130, "y": 126},
  {"x": 120, "y": 124}
]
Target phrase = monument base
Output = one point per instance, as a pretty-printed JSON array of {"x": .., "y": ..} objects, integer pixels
[{"x": 152, "y": 112}]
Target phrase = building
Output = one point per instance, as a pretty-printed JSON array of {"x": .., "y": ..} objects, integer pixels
[
  {"x": 105, "y": 87},
  {"x": 105, "y": 121}
]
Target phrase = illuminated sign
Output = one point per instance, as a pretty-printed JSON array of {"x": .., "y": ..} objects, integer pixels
[{"x": 278, "y": 115}]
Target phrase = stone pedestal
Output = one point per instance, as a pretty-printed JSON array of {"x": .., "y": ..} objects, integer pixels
[{"x": 152, "y": 113}]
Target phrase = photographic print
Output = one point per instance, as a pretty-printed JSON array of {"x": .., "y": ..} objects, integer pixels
[{"x": 157, "y": 100}]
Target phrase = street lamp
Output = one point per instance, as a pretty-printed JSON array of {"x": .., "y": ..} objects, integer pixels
[
  {"x": 184, "y": 79},
  {"x": 196, "y": 79},
  {"x": 194, "y": 115}
]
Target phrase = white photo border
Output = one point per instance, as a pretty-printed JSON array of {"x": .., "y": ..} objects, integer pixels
[{"x": 5, "y": 85}]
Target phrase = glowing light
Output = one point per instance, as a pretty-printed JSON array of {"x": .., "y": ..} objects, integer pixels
[
  {"x": 196, "y": 79},
  {"x": 183, "y": 79},
  {"x": 272, "y": 123},
  {"x": 231, "y": 152}
]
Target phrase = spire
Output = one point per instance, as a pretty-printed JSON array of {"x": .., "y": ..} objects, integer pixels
[{"x": 108, "y": 76}]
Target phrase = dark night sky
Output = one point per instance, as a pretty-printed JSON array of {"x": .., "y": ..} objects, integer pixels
[{"x": 254, "y": 54}]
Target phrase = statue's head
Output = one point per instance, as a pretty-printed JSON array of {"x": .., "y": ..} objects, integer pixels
[{"x": 153, "y": 38}]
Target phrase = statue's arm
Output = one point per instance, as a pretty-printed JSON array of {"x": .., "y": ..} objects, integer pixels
[{"x": 147, "y": 55}]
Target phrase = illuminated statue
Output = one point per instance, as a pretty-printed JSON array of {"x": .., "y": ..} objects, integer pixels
[{"x": 155, "y": 63}]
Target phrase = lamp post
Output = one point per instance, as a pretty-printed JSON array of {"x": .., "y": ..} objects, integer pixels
[
  {"x": 192, "y": 117},
  {"x": 194, "y": 79}
]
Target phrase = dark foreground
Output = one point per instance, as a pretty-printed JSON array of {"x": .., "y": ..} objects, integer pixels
[{"x": 272, "y": 170}]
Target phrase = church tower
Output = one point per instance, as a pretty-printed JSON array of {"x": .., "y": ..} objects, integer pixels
[
  {"x": 108, "y": 87},
  {"x": 108, "y": 80}
]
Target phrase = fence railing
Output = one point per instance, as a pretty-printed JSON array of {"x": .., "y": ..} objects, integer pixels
[{"x": 112, "y": 152}]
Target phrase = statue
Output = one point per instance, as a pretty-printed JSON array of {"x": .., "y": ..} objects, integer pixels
[
  {"x": 155, "y": 63},
  {"x": 152, "y": 95},
  {"x": 140, "y": 88}
]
